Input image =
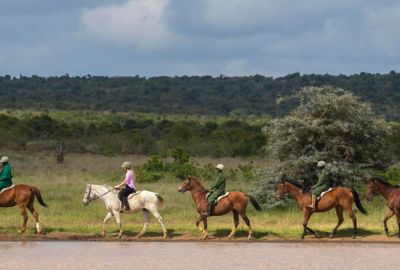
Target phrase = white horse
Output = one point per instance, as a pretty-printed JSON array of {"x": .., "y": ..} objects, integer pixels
[{"x": 143, "y": 200}]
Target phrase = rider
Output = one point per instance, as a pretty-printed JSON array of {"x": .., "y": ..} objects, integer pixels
[
  {"x": 6, "y": 174},
  {"x": 321, "y": 185},
  {"x": 217, "y": 189},
  {"x": 129, "y": 183}
]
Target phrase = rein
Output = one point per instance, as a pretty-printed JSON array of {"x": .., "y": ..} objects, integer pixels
[{"x": 95, "y": 198}]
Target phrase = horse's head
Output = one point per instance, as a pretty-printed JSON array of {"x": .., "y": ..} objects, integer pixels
[
  {"x": 186, "y": 185},
  {"x": 372, "y": 189},
  {"x": 281, "y": 190},
  {"x": 88, "y": 195}
]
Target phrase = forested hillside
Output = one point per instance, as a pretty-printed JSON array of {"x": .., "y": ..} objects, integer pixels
[{"x": 189, "y": 95}]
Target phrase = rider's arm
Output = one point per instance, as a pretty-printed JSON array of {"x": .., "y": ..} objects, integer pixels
[
  {"x": 121, "y": 184},
  {"x": 321, "y": 179}
]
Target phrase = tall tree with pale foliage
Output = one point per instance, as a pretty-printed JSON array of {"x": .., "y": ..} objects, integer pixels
[{"x": 328, "y": 124}]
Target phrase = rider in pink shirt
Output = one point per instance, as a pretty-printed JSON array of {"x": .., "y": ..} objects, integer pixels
[{"x": 129, "y": 183}]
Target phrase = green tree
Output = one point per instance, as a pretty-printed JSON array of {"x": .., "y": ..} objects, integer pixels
[{"x": 329, "y": 124}]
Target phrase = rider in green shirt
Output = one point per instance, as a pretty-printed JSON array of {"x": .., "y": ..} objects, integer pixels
[
  {"x": 5, "y": 173},
  {"x": 217, "y": 189},
  {"x": 321, "y": 185}
]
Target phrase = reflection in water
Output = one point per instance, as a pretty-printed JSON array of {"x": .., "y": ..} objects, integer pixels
[{"x": 195, "y": 255}]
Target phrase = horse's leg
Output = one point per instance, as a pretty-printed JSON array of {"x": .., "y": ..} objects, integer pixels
[
  {"x": 247, "y": 221},
  {"x": 235, "y": 223},
  {"x": 35, "y": 216},
  {"x": 205, "y": 235},
  {"x": 106, "y": 219},
  {"x": 307, "y": 214},
  {"x": 117, "y": 217},
  {"x": 22, "y": 210},
  {"x": 353, "y": 218},
  {"x": 146, "y": 222},
  {"x": 389, "y": 215},
  {"x": 157, "y": 215},
  {"x": 397, "y": 212},
  {"x": 198, "y": 223},
  {"x": 339, "y": 214}
]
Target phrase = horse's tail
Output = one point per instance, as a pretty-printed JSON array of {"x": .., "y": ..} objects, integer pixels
[
  {"x": 254, "y": 203},
  {"x": 36, "y": 191},
  {"x": 358, "y": 202},
  {"x": 161, "y": 201}
]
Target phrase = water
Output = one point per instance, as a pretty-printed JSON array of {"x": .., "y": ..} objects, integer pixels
[{"x": 196, "y": 255}]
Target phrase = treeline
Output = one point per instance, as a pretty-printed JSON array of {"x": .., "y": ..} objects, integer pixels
[
  {"x": 190, "y": 95},
  {"x": 119, "y": 135}
]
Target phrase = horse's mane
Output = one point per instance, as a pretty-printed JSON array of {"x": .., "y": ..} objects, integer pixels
[
  {"x": 197, "y": 181},
  {"x": 382, "y": 181},
  {"x": 295, "y": 183}
]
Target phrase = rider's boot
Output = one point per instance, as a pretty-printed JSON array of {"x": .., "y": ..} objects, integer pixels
[
  {"x": 124, "y": 205},
  {"x": 209, "y": 209},
  {"x": 313, "y": 201}
]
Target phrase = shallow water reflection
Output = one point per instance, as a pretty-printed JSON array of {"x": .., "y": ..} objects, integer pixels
[{"x": 196, "y": 255}]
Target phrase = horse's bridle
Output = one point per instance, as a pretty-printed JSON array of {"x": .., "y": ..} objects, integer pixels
[{"x": 95, "y": 198}]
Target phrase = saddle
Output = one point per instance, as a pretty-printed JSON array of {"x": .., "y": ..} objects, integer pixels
[
  {"x": 7, "y": 188},
  {"x": 219, "y": 198},
  {"x": 324, "y": 192},
  {"x": 134, "y": 194}
]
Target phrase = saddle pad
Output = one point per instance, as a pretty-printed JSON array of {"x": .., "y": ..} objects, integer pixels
[
  {"x": 7, "y": 188},
  {"x": 222, "y": 196},
  {"x": 133, "y": 194},
  {"x": 323, "y": 193}
]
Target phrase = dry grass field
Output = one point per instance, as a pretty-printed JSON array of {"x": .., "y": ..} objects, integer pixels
[{"x": 63, "y": 186}]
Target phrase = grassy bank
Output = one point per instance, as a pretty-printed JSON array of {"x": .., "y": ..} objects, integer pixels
[{"x": 63, "y": 185}]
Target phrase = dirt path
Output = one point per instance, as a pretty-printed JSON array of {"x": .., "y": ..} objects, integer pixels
[{"x": 112, "y": 237}]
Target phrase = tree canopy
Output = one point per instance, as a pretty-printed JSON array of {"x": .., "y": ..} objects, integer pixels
[
  {"x": 190, "y": 95},
  {"x": 329, "y": 124}
]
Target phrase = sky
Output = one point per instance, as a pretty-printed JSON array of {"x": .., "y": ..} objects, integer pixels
[{"x": 198, "y": 37}]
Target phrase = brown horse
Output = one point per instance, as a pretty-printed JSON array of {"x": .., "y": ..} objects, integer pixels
[
  {"x": 23, "y": 196},
  {"x": 235, "y": 202},
  {"x": 391, "y": 194},
  {"x": 339, "y": 198}
]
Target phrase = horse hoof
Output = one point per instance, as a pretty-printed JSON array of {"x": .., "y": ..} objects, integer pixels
[
  {"x": 165, "y": 236},
  {"x": 354, "y": 236},
  {"x": 302, "y": 237},
  {"x": 205, "y": 237},
  {"x": 119, "y": 235},
  {"x": 250, "y": 237},
  {"x": 20, "y": 231},
  {"x": 103, "y": 234}
]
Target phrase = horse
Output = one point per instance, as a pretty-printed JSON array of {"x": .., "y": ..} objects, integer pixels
[
  {"x": 340, "y": 198},
  {"x": 23, "y": 196},
  {"x": 235, "y": 202},
  {"x": 146, "y": 201},
  {"x": 391, "y": 194}
]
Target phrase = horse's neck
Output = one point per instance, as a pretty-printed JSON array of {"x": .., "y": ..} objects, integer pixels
[
  {"x": 296, "y": 192},
  {"x": 103, "y": 193},
  {"x": 198, "y": 194},
  {"x": 383, "y": 189}
]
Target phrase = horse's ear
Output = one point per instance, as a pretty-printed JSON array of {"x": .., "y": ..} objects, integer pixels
[{"x": 189, "y": 177}]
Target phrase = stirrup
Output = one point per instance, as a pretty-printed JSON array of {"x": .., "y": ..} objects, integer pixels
[{"x": 311, "y": 206}]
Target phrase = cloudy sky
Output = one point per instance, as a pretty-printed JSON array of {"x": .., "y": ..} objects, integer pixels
[{"x": 197, "y": 37}]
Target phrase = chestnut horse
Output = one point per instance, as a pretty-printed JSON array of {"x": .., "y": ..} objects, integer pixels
[
  {"x": 340, "y": 198},
  {"x": 23, "y": 196},
  {"x": 235, "y": 202},
  {"x": 391, "y": 194}
]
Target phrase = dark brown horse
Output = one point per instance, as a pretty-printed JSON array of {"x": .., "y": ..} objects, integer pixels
[
  {"x": 339, "y": 198},
  {"x": 391, "y": 194},
  {"x": 23, "y": 196},
  {"x": 235, "y": 202}
]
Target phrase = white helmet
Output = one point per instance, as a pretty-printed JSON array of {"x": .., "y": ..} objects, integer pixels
[
  {"x": 321, "y": 163},
  {"x": 4, "y": 159},
  {"x": 126, "y": 165},
  {"x": 220, "y": 167}
]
